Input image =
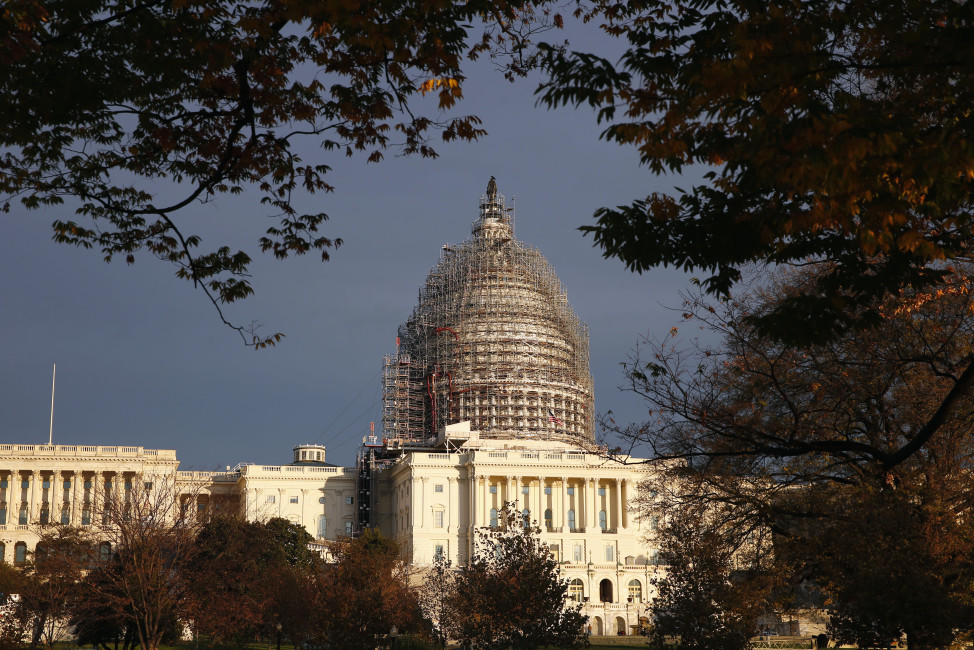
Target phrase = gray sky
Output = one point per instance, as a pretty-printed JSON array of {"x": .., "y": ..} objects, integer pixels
[{"x": 143, "y": 359}]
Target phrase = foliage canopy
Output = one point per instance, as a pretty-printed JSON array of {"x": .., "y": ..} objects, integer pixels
[{"x": 828, "y": 131}]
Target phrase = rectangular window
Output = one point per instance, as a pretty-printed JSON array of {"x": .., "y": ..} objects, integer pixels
[
  {"x": 46, "y": 484},
  {"x": 525, "y": 490},
  {"x": 24, "y": 485},
  {"x": 609, "y": 553},
  {"x": 293, "y": 500},
  {"x": 577, "y": 554},
  {"x": 147, "y": 485},
  {"x": 438, "y": 519},
  {"x": 65, "y": 517},
  {"x": 438, "y": 552},
  {"x": 3, "y": 484},
  {"x": 493, "y": 489},
  {"x": 128, "y": 485},
  {"x": 437, "y": 488},
  {"x": 547, "y": 490},
  {"x": 348, "y": 528},
  {"x": 571, "y": 491},
  {"x": 3, "y": 515},
  {"x": 654, "y": 523},
  {"x": 271, "y": 498},
  {"x": 22, "y": 519},
  {"x": 601, "y": 492},
  {"x": 86, "y": 517},
  {"x": 349, "y": 501},
  {"x": 67, "y": 484}
]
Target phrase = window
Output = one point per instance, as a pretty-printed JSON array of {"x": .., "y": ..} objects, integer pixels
[
  {"x": 635, "y": 591},
  {"x": 293, "y": 500},
  {"x": 86, "y": 517},
  {"x": 67, "y": 484},
  {"x": 3, "y": 552},
  {"x": 576, "y": 590},
  {"x": 46, "y": 484},
  {"x": 105, "y": 552},
  {"x": 654, "y": 557},
  {"x": 525, "y": 490},
  {"x": 3, "y": 515},
  {"x": 271, "y": 498},
  {"x": 526, "y": 516},
  {"x": 577, "y": 554},
  {"x": 654, "y": 523},
  {"x": 349, "y": 501},
  {"x": 87, "y": 485},
  {"x": 571, "y": 520},
  {"x": 24, "y": 485},
  {"x": 65, "y": 516},
  {"x": 321, "y": 500},
  {"x": 348, "y": 528},
  {"x": 601, "y": 491},
  {"x": 571, "y": 491},
  {"x": 437, "y": 519},
  {"x": 322, "y": 526},
  {"x": 438, "y": 487},
  {"x": 493, "y": 517},
  {"x": 603, "y": 520},
  {"x": 3, "y": 484},
  {"x": 20, "y": 553},
  {"x": 22, "y": 519},
  {"x": 610, "y": 553},
  {"x": 438, "y": 553},
  {"x": 45, "y": 516},
  {"x": 547, "y": 518},
  {"x": 547, "y": 490},
  {"x": 492, "y": 489},
  {"x": 147, "y": 485}
]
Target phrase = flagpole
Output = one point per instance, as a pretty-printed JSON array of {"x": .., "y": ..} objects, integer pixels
[{"x": 50, "y": 434}]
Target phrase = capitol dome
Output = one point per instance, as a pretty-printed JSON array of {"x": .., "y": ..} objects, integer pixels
[{"x": 492, "y": 341}]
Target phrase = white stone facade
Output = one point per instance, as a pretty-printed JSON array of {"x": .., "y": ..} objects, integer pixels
[{"x": 430, "y": 502}]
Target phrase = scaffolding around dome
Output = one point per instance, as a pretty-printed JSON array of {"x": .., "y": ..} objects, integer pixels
[{"x": 492, "y": 341}]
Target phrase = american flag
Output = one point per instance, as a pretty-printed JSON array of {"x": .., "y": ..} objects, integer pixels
[{"x": 553, "y": 418}]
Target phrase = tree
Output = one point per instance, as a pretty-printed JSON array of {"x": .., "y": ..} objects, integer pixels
[
  {"x": 434, "y": 598},
  {"x": 52, "y": 582},
  {"x": 245, "y": 579},
  {"x": 702, "y": 602},
  {"x": 854, "y": 453},
  {"x": 131, "y": 113},
  {"x": 829, "y": 131},
  {"x": 511, "y": 594},
  {"x": 142, "y": 576},
  {"x": 363, "y": 594}
]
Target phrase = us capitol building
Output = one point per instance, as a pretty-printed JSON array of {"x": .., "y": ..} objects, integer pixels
[{"x": 486, "y": 400}]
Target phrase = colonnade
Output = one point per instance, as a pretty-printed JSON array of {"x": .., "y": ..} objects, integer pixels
[
  {"x": 35, "y": 496},
  {"x": 586, "y": 497}
]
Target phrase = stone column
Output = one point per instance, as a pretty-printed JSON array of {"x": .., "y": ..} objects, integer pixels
[
  {"x": 77, "y": 492},
  {"x": 591, "y": 504},
  {"x": 564, "y": 505},
  {"x": 35, "y": 495},
  {"x": 56, "y": 497},
  {"x": 618, "y": 504}
]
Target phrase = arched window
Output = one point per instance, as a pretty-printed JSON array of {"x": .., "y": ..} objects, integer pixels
[
  {"x": 493, "y": 517},
  {"x": 571, "y": 520},
  {"x": 605, "y": 591},
  {"x": 547, "y": 518},
  {"x": 576, "y": 590},
  {"x": 526, "y": 516},
  {"x": 322, "y": 526},
  {"x": 635, "y": 591},
  {"x": 603, "y": 521},
  {"x": 20, "y": 553}
]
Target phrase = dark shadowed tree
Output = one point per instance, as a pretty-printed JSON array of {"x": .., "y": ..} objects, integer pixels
[
  {"x": 511, "y": 593},
  {"x": 711, "y": 590},
  {"x": 827, "y": 131},
  {"x": 124, "y": 117},
  {"x": 363, "y": 593},
  {"x": 855, "y": 453}
]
